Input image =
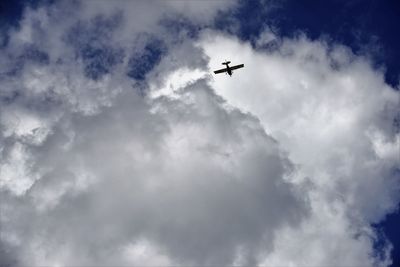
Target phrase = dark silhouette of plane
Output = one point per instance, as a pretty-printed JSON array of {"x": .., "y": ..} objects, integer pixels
[{"x": 228, "y": 69}]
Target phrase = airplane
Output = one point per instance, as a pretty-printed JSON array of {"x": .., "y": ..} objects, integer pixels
[{"x": 228, "y": 69}]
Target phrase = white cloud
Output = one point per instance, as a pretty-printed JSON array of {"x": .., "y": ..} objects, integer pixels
[
  {"x": 296, "y": 148},
  {"x": 143, "y": 253},
  {"x": 15, "y": 174},
  {"x": 331, "y": 112}
]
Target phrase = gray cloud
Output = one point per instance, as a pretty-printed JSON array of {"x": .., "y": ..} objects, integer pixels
[
  {"x": 187, "y": 178},
  {"x": 95, "y": 173}
]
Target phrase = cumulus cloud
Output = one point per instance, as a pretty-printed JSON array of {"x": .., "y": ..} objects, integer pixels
[
  {"x": 118, "y": 147},
  {"x": 335, "y": 116}
]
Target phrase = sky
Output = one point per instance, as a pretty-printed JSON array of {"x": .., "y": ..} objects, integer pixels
[{"x": 120, "y": 147}]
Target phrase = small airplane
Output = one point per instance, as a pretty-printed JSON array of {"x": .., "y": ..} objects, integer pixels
[{"x": 228, "y": 69}]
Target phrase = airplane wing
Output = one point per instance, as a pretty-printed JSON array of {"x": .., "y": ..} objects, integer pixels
[
  {"x": 237, "y": 67},
  {"x": 220, "y": 71}
]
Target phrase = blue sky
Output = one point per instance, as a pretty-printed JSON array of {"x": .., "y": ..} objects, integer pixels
[{"x": 119, "y": 146}]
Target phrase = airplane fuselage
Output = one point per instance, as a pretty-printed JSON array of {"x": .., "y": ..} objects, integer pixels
[{"x": 228, "y": 69}]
